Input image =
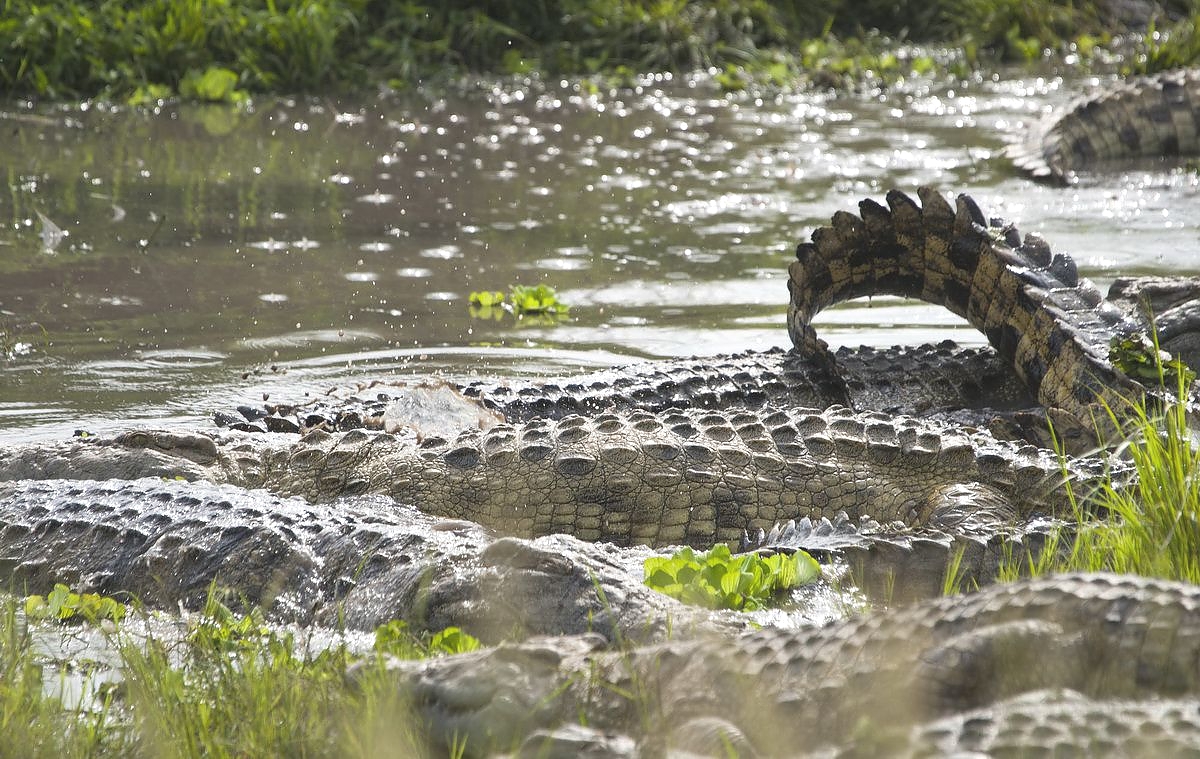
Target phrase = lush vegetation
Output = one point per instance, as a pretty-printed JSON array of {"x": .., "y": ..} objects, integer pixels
[
  {"x": 229, "y": 686},
  {"x": 1147, "y": 524},
  {"x": 1166, "y": 48},
  {"x": 1151, "y": 528},
  {"x": 223, "y": 49},
  {"x": 719, "y": 580}
]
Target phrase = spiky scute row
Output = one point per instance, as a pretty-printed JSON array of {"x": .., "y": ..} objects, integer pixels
[
  {"x": 1143, "y": 117},
  {"x": 1052, "y": 325},
  {"x": 1055, "y": 723},
  {"x": 920, "y": 379},
  {"x": 166, "y": 542},
  {"x": 892, "y": 680}
]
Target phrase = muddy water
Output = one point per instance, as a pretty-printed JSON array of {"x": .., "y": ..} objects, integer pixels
[{"x": 210, "y": 256}]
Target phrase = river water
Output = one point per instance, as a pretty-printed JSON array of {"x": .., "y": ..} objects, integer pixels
[{"x": 211, "y": 256}]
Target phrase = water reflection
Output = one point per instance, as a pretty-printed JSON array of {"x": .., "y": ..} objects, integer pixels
[{"x": 204, "y": 246}]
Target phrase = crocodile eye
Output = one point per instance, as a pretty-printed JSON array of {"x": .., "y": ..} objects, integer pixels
[{"x": 135, "y": 439}]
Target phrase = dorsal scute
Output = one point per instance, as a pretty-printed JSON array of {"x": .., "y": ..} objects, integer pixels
[
  {"x": 1141, "y": 117},
  {"x": 1030, "y": 302}
]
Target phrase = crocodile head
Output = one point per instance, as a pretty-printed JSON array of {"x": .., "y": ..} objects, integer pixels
[{"x": 199, "y": 448}]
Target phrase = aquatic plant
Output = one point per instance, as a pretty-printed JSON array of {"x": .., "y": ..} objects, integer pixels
[
  {"x": 717, "y": 579},
  {"x": 64, "y": 605},
  {"x": 538, "y": 301}
]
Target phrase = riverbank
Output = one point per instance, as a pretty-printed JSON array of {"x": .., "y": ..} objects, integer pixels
[{"x": 227, "y": 50}]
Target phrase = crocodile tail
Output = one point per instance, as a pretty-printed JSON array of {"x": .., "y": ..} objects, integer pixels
[
  {"x": 1144, "y": 117},
  {"x": 1054, "y": 327}
]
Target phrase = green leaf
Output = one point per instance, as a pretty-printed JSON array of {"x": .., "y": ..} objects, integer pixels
[
  {"x": 718, "y": 579},
  {"x": 61, "y": 602},
  {"x": 486, "y": 298},
  {"x": 214, "y": 85},
  {"x": 452, "y": 640},
  {"x": 36, "y": 607}
]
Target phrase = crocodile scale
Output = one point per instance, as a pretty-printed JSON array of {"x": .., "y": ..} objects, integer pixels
[
  {"x": 1141, "y": 117},
  {"x": 1052, "y": 326},
  {"x": 881, "y": 681}
]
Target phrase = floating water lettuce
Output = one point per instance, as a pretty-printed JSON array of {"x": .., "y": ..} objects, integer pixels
[
  {"x": 719, "y": 580},
  {"x": 64, "y": 605},
  {"x": 522, "y": 300}
]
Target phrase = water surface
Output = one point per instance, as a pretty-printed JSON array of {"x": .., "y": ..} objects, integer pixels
[{"x": 211, "y": 256}]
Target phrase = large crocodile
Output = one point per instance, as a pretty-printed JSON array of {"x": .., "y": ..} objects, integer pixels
[
  {"x": 1142, "y": 117},
  {"x": 869, "y": 682},
  {"x": 694, "y": 477},
  {"x": 358, "y": 565}
]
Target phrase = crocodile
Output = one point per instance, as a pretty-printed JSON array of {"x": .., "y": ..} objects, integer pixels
[
  {"x": 1011, "y": 668},
  {"x": 945, "y": 381},
  {"x": 358, "y": 566},
  {"x": 1141, "y": 117},
  {"x": 693, "y": 477},
  {"x": 699, "y": 476}
]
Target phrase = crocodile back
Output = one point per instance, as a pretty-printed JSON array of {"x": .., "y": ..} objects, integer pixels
[{"x": 1147, "y": 116}]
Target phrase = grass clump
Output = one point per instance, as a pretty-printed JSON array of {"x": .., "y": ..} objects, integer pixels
[
  {"x": 719, "y": 580},
  {"x": 34, "y": 724},
  {"x": 1163, "y": 49},
  {"x": 232, "y": 686},
  {"x": 1150, "y": 526}
]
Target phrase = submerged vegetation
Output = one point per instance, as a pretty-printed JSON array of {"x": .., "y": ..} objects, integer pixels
[
  {"x": 228, "y": 686},
  {"x": 222, "y": 50}
]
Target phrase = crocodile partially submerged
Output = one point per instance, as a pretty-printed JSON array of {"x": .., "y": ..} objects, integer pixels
[
  {"x": 1142, "y": 117},
  {"x": 1051, "y": 333},
  {"x": 700, "y": 476}
]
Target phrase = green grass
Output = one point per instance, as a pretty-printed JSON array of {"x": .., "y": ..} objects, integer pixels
[
  {"x": 230, "y": 687},
  {"x": 1150, "y": 527},
  {"x": 224, "y": 50},
  {"x": 1161, "y": 49}
]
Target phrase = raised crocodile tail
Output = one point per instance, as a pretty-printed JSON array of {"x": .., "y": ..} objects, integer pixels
[
  {"x": 1053, "y": 326},
  {"x": 1147, "y": 116}
]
